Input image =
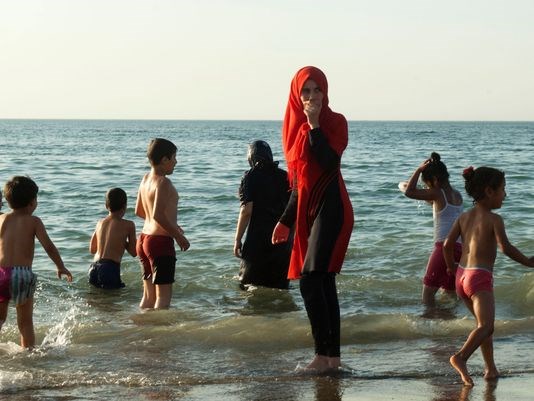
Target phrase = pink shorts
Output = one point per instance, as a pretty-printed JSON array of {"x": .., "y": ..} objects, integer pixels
[
  {"x": 471, "y": 280},
  {"x": 436, "y": 270}
]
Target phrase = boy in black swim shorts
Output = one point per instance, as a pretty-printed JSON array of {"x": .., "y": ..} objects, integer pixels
[{"x": 113, "y": 235}]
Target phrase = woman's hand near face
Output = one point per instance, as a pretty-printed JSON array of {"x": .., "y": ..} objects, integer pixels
[
  {"x": 311, "y": 97},
  {"x": 312, "y": 110}
]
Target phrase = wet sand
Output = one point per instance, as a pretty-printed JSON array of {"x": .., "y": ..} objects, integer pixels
[{"x": 320, "y": 388}]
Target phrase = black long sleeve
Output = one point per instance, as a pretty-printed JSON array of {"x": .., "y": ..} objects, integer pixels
[
  {"x": 327, "y": 157},
  {"x": 290, "y": 214}
]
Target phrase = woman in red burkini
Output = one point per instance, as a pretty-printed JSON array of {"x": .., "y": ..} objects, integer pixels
[{"x": 314, "y": 138}]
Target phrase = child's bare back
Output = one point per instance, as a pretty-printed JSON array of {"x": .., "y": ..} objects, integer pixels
[
  {"x": 18, "y": 231},
  {"x": 478, "y": 228},
  {"x": 114, "y": 235},
  {"x": 17, "y": 238},
  {"x": 159, "y": 202}
]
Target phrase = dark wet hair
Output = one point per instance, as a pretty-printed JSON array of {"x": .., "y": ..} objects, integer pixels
[
  {"x": 116, "y": 199},
  {"x": 259, "y": 151},
  {"x": 435, "y": 169},
  {"x": 20, "y": 191},
  {"x": 477, "y": 180},
  {"x": 158, "y": 148}
]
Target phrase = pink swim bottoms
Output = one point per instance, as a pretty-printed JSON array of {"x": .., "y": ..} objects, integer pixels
[
  {"x": 470, "y": 280},
  {"x": 436, "y": 270}
]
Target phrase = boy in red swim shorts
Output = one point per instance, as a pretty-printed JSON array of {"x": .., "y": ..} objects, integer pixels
[{"x": 157, "y": 204}]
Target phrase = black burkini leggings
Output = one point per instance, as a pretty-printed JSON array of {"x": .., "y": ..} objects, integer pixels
[{"x": 318, "y": 289}]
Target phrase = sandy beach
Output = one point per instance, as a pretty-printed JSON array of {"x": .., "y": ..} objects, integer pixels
[{"x": 516, "y": 388}]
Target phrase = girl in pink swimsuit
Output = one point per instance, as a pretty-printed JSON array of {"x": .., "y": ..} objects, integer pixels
[
  {"x": 481, "y": 231},
  {"x": 447, "y": 205}
]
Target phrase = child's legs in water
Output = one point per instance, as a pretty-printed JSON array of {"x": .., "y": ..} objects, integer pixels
[
  {"x": 429, "y": 295},
  {"x": 149, "y": 295},
  {"x": 25, "y": 323},
  {"x": 436, "y": 275},
  {"x": 163, "y": 296},
  {"x": 157, "y": 296}
]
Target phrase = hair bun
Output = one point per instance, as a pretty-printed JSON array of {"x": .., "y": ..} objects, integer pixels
[
  {"x": 435, "y": 157},
  {"x": 468, "y": 172}
]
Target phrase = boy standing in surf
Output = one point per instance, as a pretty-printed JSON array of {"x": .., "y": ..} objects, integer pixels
[
  {"x": 113, "y": 235},
  {"x": 18, "y": 230},
  {"x": 157, "y": 204},
  {"x": 482, "y": 231}
]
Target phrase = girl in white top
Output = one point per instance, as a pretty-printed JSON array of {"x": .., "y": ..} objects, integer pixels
[{"x": 447, "y": 205}]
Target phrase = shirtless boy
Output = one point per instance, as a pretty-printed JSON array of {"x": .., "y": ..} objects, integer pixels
[
  {"x": 113, "y": 235},
  {"x": 18, "y": 230},
  {"x": 157, "y": 204}
]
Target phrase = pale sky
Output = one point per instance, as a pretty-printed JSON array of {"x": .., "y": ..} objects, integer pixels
[{"x": 234, "y": 59}]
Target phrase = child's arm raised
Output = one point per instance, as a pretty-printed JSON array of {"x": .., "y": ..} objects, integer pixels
[
  {"x": 413, "y": 192},
  {"x": 505, "y": 246},
  {"x": 50, "y": 248}
]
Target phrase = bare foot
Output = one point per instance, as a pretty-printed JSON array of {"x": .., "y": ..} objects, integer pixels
[
  {"x": 459, "y": 364},
  {"x": 491, "y": 374},
  {"x": 319, "y": 364},
  {"x": 334, "y": 362}
]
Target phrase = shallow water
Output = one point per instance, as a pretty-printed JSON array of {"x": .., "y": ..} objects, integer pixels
[{"x": 218, "y": 337}]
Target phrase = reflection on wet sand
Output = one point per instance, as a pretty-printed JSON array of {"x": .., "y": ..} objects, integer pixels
[
  {"x": 328, "y": 389},
  {"x": 460, "y": 392}
]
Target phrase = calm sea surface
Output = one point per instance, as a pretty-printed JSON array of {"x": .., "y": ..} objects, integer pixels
[{"x": 97, "y": 345}]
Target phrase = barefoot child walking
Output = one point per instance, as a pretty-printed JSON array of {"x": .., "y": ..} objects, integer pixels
[
  {"x": 481, "y": 231},
  {"x": 447, "y": 205}
]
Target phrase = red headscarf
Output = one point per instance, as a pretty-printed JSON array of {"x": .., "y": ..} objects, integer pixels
[
  {"x": 295, "y": 128},
  {"x": 309, "y": 175}
]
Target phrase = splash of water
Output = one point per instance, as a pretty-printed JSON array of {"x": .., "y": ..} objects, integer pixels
[{"x": 60, "y": 335}]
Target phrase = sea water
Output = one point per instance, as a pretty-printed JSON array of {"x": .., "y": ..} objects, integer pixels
[{"x": 94, "y": 344}]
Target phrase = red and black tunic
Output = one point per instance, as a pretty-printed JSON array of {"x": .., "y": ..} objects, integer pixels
[{"x": 320, "y": 205}]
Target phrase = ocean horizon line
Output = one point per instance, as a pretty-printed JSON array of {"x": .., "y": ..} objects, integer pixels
[{"x": 261, "y": 120}]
